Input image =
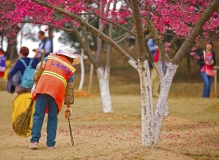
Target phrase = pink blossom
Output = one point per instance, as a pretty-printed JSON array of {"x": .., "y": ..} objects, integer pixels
[
  {"x": 192, "y": 53},
  {"x": 167, "y": 44},
  {"x": 197, "y": 57}
]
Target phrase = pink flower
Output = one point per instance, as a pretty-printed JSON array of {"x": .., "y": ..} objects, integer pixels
[
  {"x": 192, "y": 53},
  {"x": 167, "y": 44},
  {"x": 197, "y": 57}
]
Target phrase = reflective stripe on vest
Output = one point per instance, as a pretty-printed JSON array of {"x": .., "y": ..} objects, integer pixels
[
  {"x": 66, "y": 64},
  {"x": 55, "y": 75}
]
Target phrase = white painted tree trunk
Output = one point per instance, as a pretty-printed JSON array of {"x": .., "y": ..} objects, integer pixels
[
  {"x": 151, "y": 124},
  {"x": 91, "y": 77},
  {"x": 82, "y": 71},
  {"x": 162, "y": 104},
  {"x": 147, "y": 103},
  {"x": 103, "y": 78}
]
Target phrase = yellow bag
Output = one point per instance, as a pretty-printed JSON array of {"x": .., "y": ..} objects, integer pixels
[{"x": 22, "y": 115}]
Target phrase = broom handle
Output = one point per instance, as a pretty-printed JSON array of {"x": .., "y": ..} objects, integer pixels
[
  {"x": 72, "y": 140},
  {"x": 41, "y": 64},
  {"x": 40, "y": 72}
]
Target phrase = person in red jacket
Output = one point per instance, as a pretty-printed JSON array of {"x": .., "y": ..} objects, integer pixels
[
  {"x": 55, "y": 86},
  {"x": 2, "y": 63}
]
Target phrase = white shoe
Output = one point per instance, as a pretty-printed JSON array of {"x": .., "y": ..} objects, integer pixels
[
  {"x": 33, "y": 145},
  {"x": 52, "y": 147}
]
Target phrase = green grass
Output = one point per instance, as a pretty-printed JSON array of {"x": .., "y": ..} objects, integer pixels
[{"x": 185, "y": 103}]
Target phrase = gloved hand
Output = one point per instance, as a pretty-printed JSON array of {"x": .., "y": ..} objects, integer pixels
[
  {"x": 68, "y": 112},
  {"x": 33, "y": 88}
]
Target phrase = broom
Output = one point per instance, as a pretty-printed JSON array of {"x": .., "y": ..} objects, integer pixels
[{"x": 21, "y": 125}]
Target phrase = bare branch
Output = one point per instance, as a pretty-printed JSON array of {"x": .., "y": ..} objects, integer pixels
[
  {"x": 49, "y": 24},
  {"x": 139, "y": 31},
  {"x": 89, "y": 27},
  {"x": 120, "y": 37},
  {"x": 127, "y": 2},
  {"x": 85, "y": 46},
  {"x": 114, "y": 23}
]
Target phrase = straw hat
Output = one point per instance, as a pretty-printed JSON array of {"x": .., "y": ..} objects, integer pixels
[{"x": 68, "y": 52}]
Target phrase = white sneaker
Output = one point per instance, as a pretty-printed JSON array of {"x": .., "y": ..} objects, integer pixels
[
  {"x": 33, "y": 145},
  {"x": 52, "y": 147}
]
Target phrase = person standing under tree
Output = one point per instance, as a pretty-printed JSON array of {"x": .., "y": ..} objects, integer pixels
[
  {"x": 155, "y": 83},
  {"x": 2, "y": 63},
  {"x": 154, "y": 76},
  {"x": 55, "y": 85},
  {"x": 207, "y": 61},
  {"x": 45, "y": 43}
]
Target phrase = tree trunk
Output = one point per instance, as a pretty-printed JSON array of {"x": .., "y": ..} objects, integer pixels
[
  {"x": 162, "y": 104},
  {"x": 99, "y": 40},
  {"x": 91, "y": 77},
  {"x": 103, "y": 78},
  {"x": 147, "y": 103},
  {"x": 2, "y": 40},
  {"x": 51, "y": 36},
  {"x": 188, "y": 67},
  {"x": 82, "y": 71},
  {"x": 11, "y": 52}
]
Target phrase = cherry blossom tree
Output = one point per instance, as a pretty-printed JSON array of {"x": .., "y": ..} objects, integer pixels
[
  {"x": 8, "y": 31},
  {"x": 188, "y": 19}
]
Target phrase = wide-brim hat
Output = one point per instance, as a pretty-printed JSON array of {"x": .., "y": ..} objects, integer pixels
[{"x": 69, "y": 52}]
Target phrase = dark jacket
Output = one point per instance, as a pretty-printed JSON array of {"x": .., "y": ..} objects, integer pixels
[
  {"x": 201, "y": 61},
  {"x": 10, "y": 87},
  {"x": 19, "y": 66}
]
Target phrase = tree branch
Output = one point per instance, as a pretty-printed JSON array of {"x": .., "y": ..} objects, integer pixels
[
  {"x": 114, "y": 23},
  {"x": 89, "y": 27},
  {"x": 139, "y": 31},
  {"x": 122, "y": 39},
  {"x": 49, "y": 24},
  {"x": 156, "y": 38},
  {"x": 85, "y": 46},
  {"x": 127, "y": 2}
]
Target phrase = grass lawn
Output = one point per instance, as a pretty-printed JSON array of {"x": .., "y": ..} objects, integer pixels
[{"x": 190, "y": 132}]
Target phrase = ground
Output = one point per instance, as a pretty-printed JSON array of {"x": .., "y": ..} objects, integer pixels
[{"x": 190, "y": 132}]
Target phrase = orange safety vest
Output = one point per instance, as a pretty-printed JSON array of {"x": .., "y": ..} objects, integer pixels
[{"x": 54, "y": 78}]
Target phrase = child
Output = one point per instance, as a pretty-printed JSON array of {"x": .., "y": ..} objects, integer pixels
[
  {"x": 20, "y": 67},
  {"x": 55, "y": 85}
]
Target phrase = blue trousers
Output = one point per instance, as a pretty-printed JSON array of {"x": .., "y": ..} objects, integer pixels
[
  {"x": 207, "y": 85},
  {"x": 42, "y": 101}
]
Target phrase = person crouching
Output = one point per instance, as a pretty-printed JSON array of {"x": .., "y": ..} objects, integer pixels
[{"x": 55, "y": 86}]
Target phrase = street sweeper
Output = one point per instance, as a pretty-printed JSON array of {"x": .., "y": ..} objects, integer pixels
[{"x": 54, "y": 85}]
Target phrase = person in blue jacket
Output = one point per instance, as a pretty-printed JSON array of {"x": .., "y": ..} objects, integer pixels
[
  {"x": 20, "y": 67},
  {"x": 45, "y": 43},
  {"x": 155, "y": 83}
]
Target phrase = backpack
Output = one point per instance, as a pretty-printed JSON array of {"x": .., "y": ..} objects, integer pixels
[
  {"x": 2, "y": 63},
  {"x": 27, "y": 78}
]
